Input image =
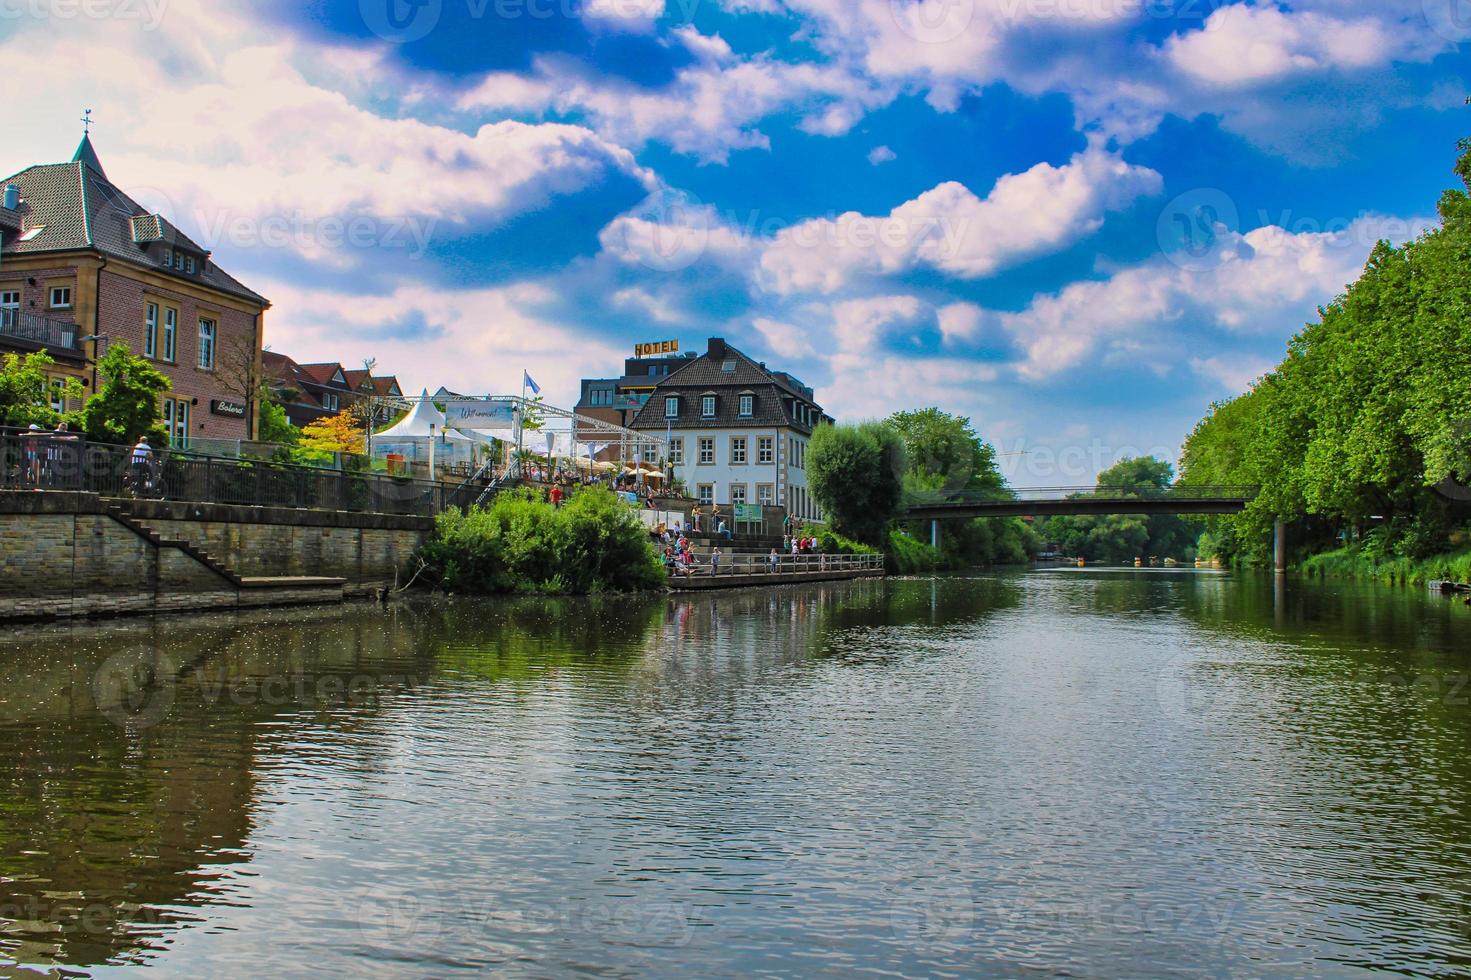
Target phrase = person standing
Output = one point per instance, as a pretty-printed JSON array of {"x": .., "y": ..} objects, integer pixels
[
  {"x": 773, "y": 561},
  {"x": 142, "y": 461},
  {"x": 715, "y": 560},
  {"x": 555, "y": 494}
]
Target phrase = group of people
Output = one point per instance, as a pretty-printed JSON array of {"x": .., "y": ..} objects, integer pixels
[{"x": 48, "y": 459}]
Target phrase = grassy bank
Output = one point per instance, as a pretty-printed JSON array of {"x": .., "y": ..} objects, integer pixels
[{"x": 1354, "y": 563}]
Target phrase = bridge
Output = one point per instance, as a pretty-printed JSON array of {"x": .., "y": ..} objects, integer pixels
[{"x": 1054, "y": 501}]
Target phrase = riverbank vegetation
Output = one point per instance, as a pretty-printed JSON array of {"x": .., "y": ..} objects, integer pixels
[
  {"x": 1360, "y": 439},
  {"x": 521, "y": 544},
  {"x": 861, "y": 475},
  {"x": 1118, "y": 539}
]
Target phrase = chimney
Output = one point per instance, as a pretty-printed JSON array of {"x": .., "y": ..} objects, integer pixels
[
  {"x": 716, "y": 347},
  {"x": 12, "y": 196}
]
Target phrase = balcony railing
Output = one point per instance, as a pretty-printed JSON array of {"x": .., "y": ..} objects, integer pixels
[{"x": 54, "y": 335}]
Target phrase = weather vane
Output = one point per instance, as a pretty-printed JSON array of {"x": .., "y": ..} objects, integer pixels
[{"x": 86, "y": 122}]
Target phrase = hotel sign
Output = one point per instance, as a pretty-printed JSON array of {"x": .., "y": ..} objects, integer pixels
[
  {"x": 656, "y": 348},
  {"x": 233, "y": 410}
]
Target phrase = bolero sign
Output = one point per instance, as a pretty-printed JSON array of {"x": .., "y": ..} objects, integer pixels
[{"x": 229, "y": 409}]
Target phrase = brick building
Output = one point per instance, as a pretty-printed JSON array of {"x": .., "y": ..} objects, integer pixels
[
  {"x": 82, "y": 266},
  {"x": 310, "y": 392}
]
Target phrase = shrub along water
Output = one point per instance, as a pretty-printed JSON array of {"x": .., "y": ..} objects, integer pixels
[{"x": 521, "y": 544}]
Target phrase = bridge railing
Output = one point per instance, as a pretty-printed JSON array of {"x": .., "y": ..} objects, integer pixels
[{"x": 1044, "y": 494}]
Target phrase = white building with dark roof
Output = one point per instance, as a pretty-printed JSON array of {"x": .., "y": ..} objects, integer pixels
[{"x": 738, "y": 430}]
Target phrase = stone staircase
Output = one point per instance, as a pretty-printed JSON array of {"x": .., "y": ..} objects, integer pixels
[{"x": 119, "y": 513}]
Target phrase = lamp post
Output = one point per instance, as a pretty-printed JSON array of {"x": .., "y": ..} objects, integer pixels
[{"x": 99, "y": 337}]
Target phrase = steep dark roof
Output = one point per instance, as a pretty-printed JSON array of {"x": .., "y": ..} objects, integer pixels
[
  {"x": 773, "y": 394},
  {"x": 75, "y": 206}
]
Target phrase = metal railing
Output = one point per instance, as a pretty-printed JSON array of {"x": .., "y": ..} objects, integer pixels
[
  {"x": 774, "y": 566},
  {"x": 1047, "y": 494},
  {"x": 37, "y": 329},
  {"x": 55, "y": 461}
]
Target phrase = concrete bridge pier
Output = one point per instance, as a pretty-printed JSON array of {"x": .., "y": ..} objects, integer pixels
[{"x": 1279, "y": 547}]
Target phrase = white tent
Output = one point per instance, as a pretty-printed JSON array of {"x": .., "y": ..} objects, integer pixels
[{"x": 410, "y": 436}]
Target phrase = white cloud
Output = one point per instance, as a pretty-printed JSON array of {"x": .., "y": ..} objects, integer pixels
[
  {"x": 881, "y": 154},
  {"x": 479, "y": 340},
  {"x": 950, "y": 229},
  {"x": 220, "y": 117},
  {"x": 1243, "y": 45},
  {"x": 1233, "y": 373},
  {"x": 1266, "y": 281},
  {"x": 784, "y": 339}
]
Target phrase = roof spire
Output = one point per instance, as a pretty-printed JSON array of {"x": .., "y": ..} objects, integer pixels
[{"x": 85, "y": 154}]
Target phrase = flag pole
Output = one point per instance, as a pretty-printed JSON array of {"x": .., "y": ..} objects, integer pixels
[{"x": 520, "y": 424}]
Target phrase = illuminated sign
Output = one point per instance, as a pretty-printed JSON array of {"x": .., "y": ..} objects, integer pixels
[{"x": 655, "y": 349}]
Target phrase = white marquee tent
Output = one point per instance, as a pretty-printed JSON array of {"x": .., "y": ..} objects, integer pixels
[{"x": 411, "y": 436}]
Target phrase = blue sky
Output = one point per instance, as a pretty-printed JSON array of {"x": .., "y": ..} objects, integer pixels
[{"x": 1077, "y": 221}]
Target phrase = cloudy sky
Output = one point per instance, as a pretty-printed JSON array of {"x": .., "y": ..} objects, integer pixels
[{"x": 1077, "y": 221}]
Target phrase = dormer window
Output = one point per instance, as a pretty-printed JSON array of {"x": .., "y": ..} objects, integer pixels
[
  {"x": 671, "y": 407},
  {"x": 707, "y": 406},
  {"x": 748, "y": 405}
]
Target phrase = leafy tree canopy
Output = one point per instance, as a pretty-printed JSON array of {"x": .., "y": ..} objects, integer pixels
[
  {"x": 856, "y": 474},
  {"x": 126, "y": 406}
]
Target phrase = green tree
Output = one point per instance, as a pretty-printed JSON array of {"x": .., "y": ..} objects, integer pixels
[
  {"x": 25, "y": 390},
  {"x": 942, "y": 451},
  {"x": 1120, "y": 538},
  {"x": 856, "y": 474},
  {"x": 1368, "y": 413},
  {"x": 274, "y": 426},
  {"x": 127, "y": 405}
]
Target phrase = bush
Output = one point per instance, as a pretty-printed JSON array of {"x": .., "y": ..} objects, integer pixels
[
  {"x": 908, "y": 556},
  {"x": 593, "y": 543}
]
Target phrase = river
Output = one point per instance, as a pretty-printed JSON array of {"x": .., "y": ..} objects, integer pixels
[{"x": 1057, "y": 772}]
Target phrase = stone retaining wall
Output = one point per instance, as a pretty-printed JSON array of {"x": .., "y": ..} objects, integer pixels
[{"x": 64, "y": 554}]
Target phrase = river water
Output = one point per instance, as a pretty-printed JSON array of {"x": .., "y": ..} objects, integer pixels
[{"x": 1059, "y": 772}]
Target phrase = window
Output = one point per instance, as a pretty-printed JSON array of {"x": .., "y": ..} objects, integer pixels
[
  {"x": 738, "y": 450},
  {"x": 150, "y": 330},
  {"x": 170, "y": 330},
  {"x": 55, "y": 387},
  {"x": 766, "y": 450},
  {"x": 329, "y": 400},
  {"x": 206, "y": 344},
  {"x": 9, "y": 308},
  {"x": 707, "y": 406},
  {"x": 706, "y": 493},
  {"x": 61, "y": 297},
  {"x": 765, "y": 494},
  {"x": 748, "y": 404},
  {"x": 600, "y": 396},
  {"x": 189, "y": 264},
  {"x": 671, "y": 407},
  {"x": 737, "y": 493},
  {"x": 676, "y": 451},
  {"x": 176, "y": 422},
  {"x": 707, "y": 451}
]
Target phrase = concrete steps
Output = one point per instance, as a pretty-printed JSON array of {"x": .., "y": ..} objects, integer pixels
[{"x": 123, "y": 517}]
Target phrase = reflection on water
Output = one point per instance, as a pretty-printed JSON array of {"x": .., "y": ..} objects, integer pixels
[{"x": 1101, "y": 773}]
